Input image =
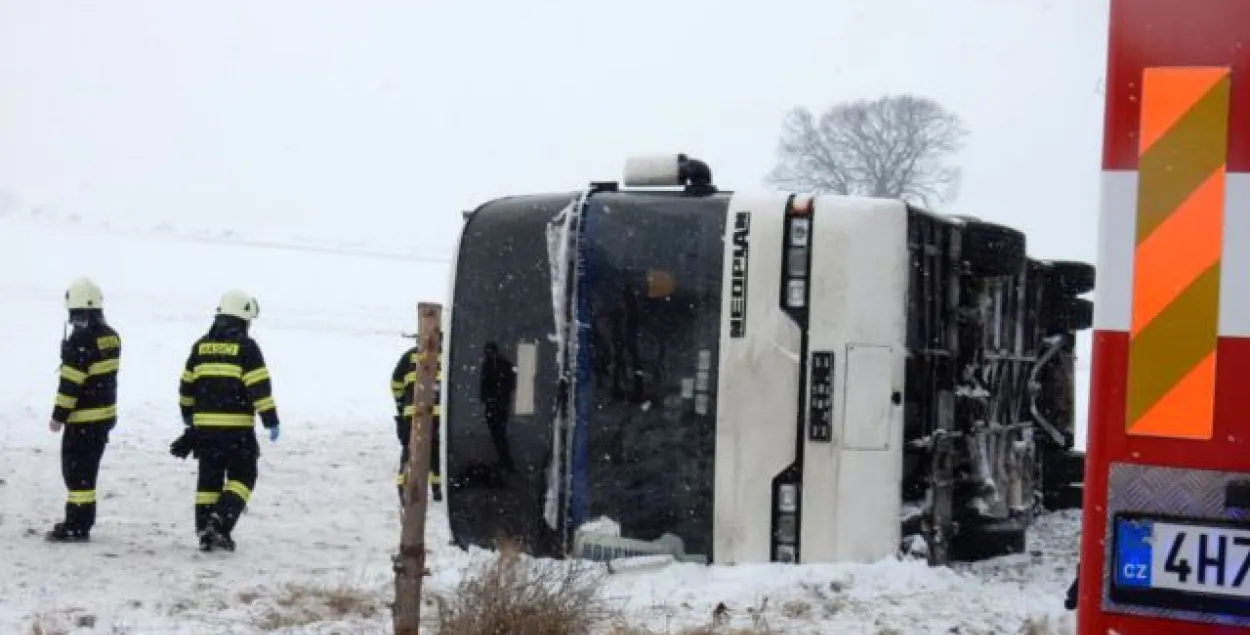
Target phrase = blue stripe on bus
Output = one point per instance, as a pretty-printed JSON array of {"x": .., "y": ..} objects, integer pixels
[{"x": 581, "y": 389}]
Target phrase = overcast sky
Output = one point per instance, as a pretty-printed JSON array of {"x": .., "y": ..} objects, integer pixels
[{"x": 377, "y": 119}]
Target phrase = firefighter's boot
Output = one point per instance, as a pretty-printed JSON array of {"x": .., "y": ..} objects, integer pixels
[
  {"x": 436, "y": 487},
  {"x": 62, "y": 532}
]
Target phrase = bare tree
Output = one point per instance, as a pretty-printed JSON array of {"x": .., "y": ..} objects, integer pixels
[{"x": 896, "y": 146}]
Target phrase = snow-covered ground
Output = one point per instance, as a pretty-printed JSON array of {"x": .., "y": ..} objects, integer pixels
[{"x": 315, "y": 546}]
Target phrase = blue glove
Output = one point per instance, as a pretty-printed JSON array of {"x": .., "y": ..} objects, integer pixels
[{"x": 273, "y": 434}]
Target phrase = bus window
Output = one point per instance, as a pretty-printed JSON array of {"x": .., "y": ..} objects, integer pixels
[
  {"x": 501, "y": 318},
  {"x": 653, "y": 283}
]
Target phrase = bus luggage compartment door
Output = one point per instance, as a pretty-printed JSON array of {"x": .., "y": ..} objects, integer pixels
[
  {"x": 869, "y": 461},
  {"x": 869, "y": 385}
]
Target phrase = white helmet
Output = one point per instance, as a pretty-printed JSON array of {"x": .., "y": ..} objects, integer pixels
[
  {"x": 83, "y": 294},
  {"x": 238, "y": 303}
]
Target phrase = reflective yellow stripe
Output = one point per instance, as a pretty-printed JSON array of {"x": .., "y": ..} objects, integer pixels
[
  {"x": 399, "y": 478},
  {"x": 207, "y": 498},
  {"x": 255, "y": 376},
  {"x": 221, "y": 420},
  {"x": 81, "y": 497},
  {"x": 218, "y": 370},
  {"x": 91, "y": 415},
  {"x": 73, "y": 374},
  {"x": 411, "y": 410},
  {"x": 411, "y": 378},
  {"x": 187, "y": 376},
  {"x": 108, "y": 341},
  {"x": 186, "y": 401},
  {"x": 238, "y": 489},
  {"x": 65, "y": 401},
  {"x": 263, "y": 404},
  {"x": 435, "y": 479},
  {"x": 106, "y": 366}
]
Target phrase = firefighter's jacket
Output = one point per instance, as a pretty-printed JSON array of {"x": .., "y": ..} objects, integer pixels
[
  {"x": 404, "y": 388},
  {"x": 225, "y": 383},
  {"x": 87, "y": 391}
]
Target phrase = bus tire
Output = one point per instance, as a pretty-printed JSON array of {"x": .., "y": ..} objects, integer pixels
[
  {"x": 991, "y": 250},
  {"x": 1071, "y": 277},
  {"x": 1065, "y": 497},
  {"x": 1063, "y": 478},
  {"x": 978, "y": 543},
  {"x": 1078, "y": 314}
]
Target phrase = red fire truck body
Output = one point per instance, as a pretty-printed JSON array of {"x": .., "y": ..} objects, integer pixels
[{"x": 1165, "y": 546}]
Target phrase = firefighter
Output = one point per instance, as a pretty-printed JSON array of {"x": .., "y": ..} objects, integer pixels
[
  {"x": 86, "y": 406},
  {"x": 403, "y": 390},
  {"x": 225, "y": 384}
]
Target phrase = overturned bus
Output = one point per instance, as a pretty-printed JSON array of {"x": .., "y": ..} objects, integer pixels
[{"x": 752, "y": 377}]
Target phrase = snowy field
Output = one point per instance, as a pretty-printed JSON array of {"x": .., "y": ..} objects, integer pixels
[{"x": 315, "y": 546}]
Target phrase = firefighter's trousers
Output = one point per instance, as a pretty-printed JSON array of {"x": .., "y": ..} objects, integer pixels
[
  {"x": 226, "y": 478},
  {"x": 436, "y": 472},
  {"x": 82, "y": 448}
]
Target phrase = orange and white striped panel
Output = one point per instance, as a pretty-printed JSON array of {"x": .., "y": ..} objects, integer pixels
[
  {"x": 1167, "y": 231},
  {"x": 1183, "y": 146}
]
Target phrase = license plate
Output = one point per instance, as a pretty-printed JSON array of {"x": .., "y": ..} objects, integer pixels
[{"x": 1198, "y": 565}]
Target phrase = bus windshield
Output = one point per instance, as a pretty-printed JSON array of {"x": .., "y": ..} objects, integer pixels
[{"x": 652, "y": 279}]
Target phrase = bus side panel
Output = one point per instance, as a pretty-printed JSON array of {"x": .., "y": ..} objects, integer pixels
[
  {"x": 758, "y": 383},
  {"x": 852, "y": 482}
]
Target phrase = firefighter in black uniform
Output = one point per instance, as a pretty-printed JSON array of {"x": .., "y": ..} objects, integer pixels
[
  {"x": 403, "y": 390},
  {"x": 224, "y": 386},
  {"x": 86, "y": 406}
]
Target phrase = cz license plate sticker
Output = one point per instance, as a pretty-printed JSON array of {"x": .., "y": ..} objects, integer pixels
[{"x": 1184, "y": 564}]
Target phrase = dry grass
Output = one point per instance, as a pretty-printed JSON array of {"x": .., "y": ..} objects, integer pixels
[
  {"x": 719, "y": 623},
  {"x": 303, "y": 604},
  {"x": 515, "y": 596}
]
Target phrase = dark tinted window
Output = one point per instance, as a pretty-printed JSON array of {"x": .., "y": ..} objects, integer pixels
[
  {"x": 652, "y": 300},
  {"x": 495, "y": 457}
]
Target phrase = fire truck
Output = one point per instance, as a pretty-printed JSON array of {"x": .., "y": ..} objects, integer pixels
[
  {"x": 1165, "y": 544},
  {"x": 660, "y": 366}
]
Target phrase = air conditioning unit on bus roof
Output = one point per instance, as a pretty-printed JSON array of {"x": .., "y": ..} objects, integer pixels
[{"x": 667, "y": 170}]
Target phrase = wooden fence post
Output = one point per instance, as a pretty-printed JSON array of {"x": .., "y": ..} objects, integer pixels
[{"x": 410, "y": 562}]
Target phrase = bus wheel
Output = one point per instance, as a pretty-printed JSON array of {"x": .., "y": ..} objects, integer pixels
[
  {"x": 991, "y": 250},
  {"x": 1063, "y": 478},
  {"x": 1071, "y": 277},
  {"x": 1072, "y": 314},
  {"x": 1066, "y": 497},
  {"x": 989, "y": 541}
]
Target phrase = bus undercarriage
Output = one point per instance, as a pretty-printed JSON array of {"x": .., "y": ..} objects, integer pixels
[{"x": 990, "y": 378}]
